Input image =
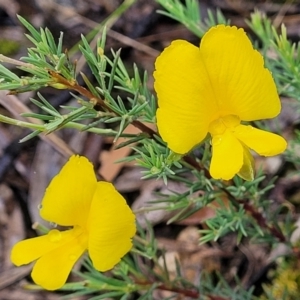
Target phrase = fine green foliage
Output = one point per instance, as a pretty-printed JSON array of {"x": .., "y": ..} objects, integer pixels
[
  {"x": 284, "y": 55},
  {"x": 189, "y": 14},
  {"x": 118, "y": 96}
]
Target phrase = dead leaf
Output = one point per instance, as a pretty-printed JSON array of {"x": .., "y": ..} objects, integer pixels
[{"x": 109, "y": 168}]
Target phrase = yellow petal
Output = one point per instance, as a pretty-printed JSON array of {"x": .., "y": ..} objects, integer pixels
[
  {"x": 227, "y": 156},
  {"x": 51, "y": 271},
  {"x": 263, "y": 142},
  {"x": 241, "y": 84},
  {"x": 185, "y": 98},
  {"x": 24, "y": 252},
  {"x": 111, "y": 227},
  {"x": 247, "y": 170},
  {"x": 68, "y": 197}
]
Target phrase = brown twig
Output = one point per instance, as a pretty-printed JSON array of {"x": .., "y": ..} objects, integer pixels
[
  {"x": 97, "y": 101},
  {"x": 188, "y": 293},
  {"x": 261, "y": 220},
  {"x": 192, "y": 162},
  {"x": 258, "y": 216}
]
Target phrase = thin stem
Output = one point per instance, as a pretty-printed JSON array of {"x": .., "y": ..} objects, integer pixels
[
  {"x": 258, "y": 216},
  {"x": 188, "y": 293},
  {"x": 97, "y": 101},
  {"x": 192, "y": 162},
  {"x": 24, "y": 124},
  {"x": 261, "y": 220},
  {"x": 106, "y": 131}
]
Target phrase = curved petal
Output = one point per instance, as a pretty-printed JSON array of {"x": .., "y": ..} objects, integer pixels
[
  {"x": 51, "y": 271},
  {"x": 68, "y": 197},
  {"x": 111, "y": 227},
  {"x": 263, "y": 142},
  {"x": 241, "y": 83},
  {"x": 227, "y": 156},
  {"x": 185, "y": 98},
  {"x": 247, "y": 170},
  {"x": 24, "y": 252}
]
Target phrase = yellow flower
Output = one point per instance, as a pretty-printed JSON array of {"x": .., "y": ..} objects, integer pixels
[
  {"x": 102, "y": 223},
  {"x": 212, "y": 89}
]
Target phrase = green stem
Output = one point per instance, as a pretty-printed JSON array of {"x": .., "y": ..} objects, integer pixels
[
  {"x": 101, "y": 131},
  {"x": 20, "y": 123},
  {"x": 74, "y": 125}
]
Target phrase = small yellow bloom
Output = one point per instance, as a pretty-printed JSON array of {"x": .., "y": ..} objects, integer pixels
[
  {"x": 101, "y": 222},
  {"x": 212, "y": 89}
]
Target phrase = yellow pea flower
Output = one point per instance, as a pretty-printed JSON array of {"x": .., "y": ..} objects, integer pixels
[
  {"x": 101, "y": 221},
  {"x": 212, "y": 89}
]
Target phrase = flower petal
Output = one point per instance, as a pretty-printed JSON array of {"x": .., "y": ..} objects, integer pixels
[
  {"x": 51, "y": 271},
  {"x": 227, "y": 156},
  {"x": 247, "y": 170},
  {"x": 263, "y": 142},
  {"x": 68, "y": 197},
  {"x": 242, "y": 85},
  {"x": 111, "y": 227},
  {"x": 24, "y": 252},
  {"x": 185, "y": 98}
]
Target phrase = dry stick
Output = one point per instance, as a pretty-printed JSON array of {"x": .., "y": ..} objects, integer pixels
[{"x": 261, "y": 220}]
